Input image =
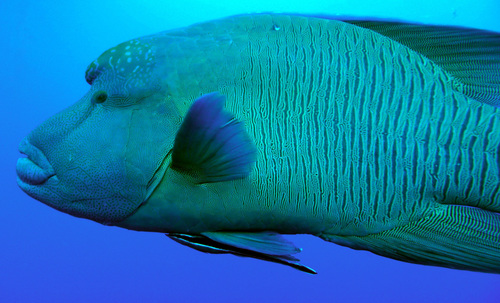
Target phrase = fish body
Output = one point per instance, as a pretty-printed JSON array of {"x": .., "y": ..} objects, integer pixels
[{"x": 362, "y": 133}]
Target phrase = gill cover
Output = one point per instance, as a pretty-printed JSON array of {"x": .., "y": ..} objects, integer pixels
[{"x": 107, "y": 149}]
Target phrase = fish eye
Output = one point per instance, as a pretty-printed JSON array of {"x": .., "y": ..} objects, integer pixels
[{"x": 100, "y": 97}]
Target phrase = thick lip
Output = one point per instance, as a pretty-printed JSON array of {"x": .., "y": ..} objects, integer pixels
[{"x": 35, "y": 169}]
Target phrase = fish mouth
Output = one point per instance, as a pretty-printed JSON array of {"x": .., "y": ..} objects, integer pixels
[{"x": 35, "y": 169}]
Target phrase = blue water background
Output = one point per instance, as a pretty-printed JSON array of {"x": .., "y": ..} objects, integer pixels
[{"x": 48, "y": 256}]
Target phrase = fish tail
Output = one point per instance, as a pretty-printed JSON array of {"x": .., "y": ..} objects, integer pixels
[{"x": 453, "y": 236}]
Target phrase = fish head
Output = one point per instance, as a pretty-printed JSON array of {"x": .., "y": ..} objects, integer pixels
[{"x": 103, "y": 156}]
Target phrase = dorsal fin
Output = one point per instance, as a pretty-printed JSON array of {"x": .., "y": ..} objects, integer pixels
[{"x": 472, "y": 56}]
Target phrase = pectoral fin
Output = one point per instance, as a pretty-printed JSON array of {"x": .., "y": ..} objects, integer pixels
[
  {"x": 211, "y": 145},
  {"x": 266, "y": 246}
]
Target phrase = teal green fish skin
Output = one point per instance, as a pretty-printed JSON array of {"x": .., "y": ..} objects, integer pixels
[
  {"x": 362, "y": 144},
  {"x": 355, "y": 134}
]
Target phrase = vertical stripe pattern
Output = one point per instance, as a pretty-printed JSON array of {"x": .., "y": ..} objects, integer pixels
[{"x": 352, "y": 128}]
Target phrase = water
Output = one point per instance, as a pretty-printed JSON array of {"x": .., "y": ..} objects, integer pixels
[{"x": 48, "y": 256}]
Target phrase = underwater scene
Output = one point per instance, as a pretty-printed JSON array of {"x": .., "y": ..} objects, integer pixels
[{"x": 251, "y": 151}]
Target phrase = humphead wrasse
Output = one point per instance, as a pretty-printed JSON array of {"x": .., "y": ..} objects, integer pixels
[{"x": 381, "y": 136}]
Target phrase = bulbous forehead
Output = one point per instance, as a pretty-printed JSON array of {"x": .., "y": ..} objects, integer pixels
[{"x": 133, "y": 59}]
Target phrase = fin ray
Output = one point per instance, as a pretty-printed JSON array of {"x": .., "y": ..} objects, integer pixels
[
  {"x": 472, "y": 56},
  {"x": 211, "y": 145},
  {"x": 264, "y": 242},
  {"x": 267, "y": 246},
  {"x": 454, "y": 236}
]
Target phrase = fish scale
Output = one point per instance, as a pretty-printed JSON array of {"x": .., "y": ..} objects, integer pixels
[
  {"x": 362, "y": 133},
  {"x": 307, "y": 127},
  {"x": 350, "y": 111}
]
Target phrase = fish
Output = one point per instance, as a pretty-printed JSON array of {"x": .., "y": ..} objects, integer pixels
[{"x": 228, "y": 135}]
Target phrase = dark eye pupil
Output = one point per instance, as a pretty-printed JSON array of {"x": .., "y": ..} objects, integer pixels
[{"x": 100, "y": 97}]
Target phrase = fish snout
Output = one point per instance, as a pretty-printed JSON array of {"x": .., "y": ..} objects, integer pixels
[{"x": 35, "y": 169}]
